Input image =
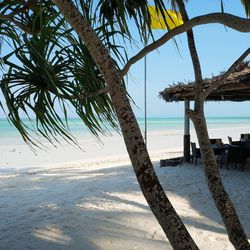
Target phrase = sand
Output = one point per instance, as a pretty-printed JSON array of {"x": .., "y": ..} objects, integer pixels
[{"x": 64, "y": 198}]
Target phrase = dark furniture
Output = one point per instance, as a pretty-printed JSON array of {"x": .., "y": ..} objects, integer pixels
[
  {"x": 215, "y": 140},
  {"x": 219, "y": 152},
  {"x": 234, "y": 154},
  {"x": 216, "y": 145},
  {"x": 171, "y": 162},
  {"x": 245, "y": 136},
  {"x": 196, "y": 153},
  {"x": 231, "y": 142}
]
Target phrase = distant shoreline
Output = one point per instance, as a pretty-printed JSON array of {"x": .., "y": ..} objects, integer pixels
[
  {"x": 163, "y": 138},
  {"x": 163, "y": 117}
]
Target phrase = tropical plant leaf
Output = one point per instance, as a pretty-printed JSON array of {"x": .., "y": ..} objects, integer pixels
[
  {"x": 246, "y": 4},
  {"x": 51, "y": 69},
  {"x": 54, "y": 69}
]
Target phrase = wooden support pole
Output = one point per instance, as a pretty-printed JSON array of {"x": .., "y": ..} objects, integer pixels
[
  {"x": 145, "y": 99},
  {"x": 186, "y": 142}
]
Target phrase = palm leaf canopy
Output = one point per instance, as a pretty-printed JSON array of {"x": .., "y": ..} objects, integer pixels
[
  {"x": 48, "y": 72},
  {"x": 46, "y": 67}
]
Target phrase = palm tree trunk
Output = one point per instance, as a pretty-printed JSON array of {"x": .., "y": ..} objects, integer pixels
[
  {"x": 148, "y": 181},
  {"x": 146, "y": 176},
  {"x": 225, "y": 206}
]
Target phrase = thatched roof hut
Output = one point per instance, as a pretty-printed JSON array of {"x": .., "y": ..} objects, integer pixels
[{"x": 235, "y": 88}]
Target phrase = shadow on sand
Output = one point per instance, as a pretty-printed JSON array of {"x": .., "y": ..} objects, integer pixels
[{"x": 75, "y": 207}]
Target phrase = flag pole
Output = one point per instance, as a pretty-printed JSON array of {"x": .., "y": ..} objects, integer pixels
[
  {"x": 145, "y": 97},
  {"x": 171, "y": 20}
]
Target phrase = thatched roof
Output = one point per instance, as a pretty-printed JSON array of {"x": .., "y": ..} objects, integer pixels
[{"x": 235, "y": 88}]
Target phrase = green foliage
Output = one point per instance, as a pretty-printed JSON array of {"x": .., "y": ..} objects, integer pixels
[
  {"x": 51, "y": 70},
  {"x": 246, "y": 4},
  {"x": 125, "y": 15}
]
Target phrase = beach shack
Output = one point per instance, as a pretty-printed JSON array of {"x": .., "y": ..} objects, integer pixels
[{"x": 235, "y": 88}]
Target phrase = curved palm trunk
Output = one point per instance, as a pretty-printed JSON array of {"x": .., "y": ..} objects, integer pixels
[
  {"x": 148, "y": 181},
  {"x": 225, "y": 206}
]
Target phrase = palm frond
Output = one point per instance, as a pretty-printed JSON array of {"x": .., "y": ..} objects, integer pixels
[
  {"x": 52, "y": 70},
  {"x": 88, "y": 79},
  {"x": 124, "y": 15},
  {"x": 246, "y": 4}
]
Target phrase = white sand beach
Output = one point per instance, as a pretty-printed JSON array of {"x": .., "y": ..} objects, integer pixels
[{"x": 65, "y": 198}]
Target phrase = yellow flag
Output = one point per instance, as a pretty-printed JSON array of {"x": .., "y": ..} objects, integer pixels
[{"x": 172, "y": 18}]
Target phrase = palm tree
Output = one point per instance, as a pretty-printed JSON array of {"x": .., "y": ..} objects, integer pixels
[
  {"x": 75, "y": 66},
  {"x": 225, "y": 206},
  {"x": 57, "y": 66}
]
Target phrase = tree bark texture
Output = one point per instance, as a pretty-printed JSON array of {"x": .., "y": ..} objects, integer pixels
[
  {"x": 225, "y": 206},
  {"x": 193, "y": 51},
  {"x": 148, "y": 181},
  {"x": 234, "y": 22},
  {"x": 234, "y": 228}
]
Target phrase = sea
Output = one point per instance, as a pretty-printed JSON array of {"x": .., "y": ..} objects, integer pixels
[{"x": 153, "y": 125}]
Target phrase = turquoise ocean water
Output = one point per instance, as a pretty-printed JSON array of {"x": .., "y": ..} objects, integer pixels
[{"x": 153, "y": 124}]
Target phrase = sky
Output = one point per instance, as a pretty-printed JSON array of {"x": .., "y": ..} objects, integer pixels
[{"x": 218, "y": 47}]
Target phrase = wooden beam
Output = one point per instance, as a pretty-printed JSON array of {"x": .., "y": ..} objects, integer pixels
[{"x": 186, "y": 142}]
